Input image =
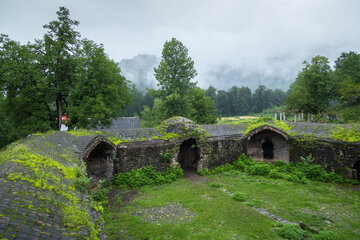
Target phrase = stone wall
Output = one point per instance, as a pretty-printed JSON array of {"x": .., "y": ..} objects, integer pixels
[
  {"x": 336, "y": 156},
  {"x": 139, "y": 154},
  {"x": 222, "y": 149}
]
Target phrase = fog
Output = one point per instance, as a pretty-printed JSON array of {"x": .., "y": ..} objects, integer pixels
[{"x": 231, "y": 42}]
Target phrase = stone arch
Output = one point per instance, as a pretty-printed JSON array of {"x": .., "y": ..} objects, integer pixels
[
  {"x": 356, "y": 170},
  {"x": 189, "y": 155},
  {"x": 99, "y": 159},
  {"x": 269, "y": 144}
]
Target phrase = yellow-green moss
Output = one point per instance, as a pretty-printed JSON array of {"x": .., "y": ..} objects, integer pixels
[
  {"x": 55, "y": 182},
  {"x": 268, "y": 121},
  {"x": 351, "y": 134}
]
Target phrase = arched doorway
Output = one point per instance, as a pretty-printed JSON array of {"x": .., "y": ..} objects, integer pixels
[
  {"x": 189, "y": 155},
  {"x": 356, "y": 168},
  {"x": 269, "y": 144},
  {"x": 99, "y": 160}
]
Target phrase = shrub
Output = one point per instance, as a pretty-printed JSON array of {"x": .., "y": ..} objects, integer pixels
[
  {"x": 82, "y": 183},
  {"x": 100, "y": 196},
  {"x": 222, "y": 168},
  {"x": 276, "y": 174},
  {"x": 326, "y": 235},
  {"x": 165, "y": 157},
  {"x": 203, "y": 172},
  {"x": 292, "y": 232},
  {"x": 239, "y": 196},
  {"x": 215, "y": 185},
  {"x": 307, "y": 160},
  {"x": 261, "y": 169},
  {"x": 243, "y": 162},
  {"x": 147, "y": 176}
]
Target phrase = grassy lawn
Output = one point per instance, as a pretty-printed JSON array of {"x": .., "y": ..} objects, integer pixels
[{"x": 188, "y": 209}]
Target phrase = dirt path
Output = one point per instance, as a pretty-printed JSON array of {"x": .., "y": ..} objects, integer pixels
[{"x": 192, "y": 175}]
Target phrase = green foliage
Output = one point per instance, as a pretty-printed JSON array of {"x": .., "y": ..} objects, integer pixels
[
  {"x": 204, "y": 111},
  {"x": 312, "y": 90},
  {"x": 58, "y": 75},
  {"x": 326, "y": 235},
  {"x": 307, "y": 160},
  {"x": 174, "y": 75},
  {"x": 351, "y": 134},
  {"x": 294, "y": 172},
  {"x": 239, "y": 196},
  {"x": 147, "y": 176},
  {"x": 82, "y": 183},
  {"x": 165, "y": 157},
  {"x": 260, "y": 169},
  {"x": 292, "y": 232},
  {"x": 100, "y": 196},
  {"x": 215, "y": 185},
  {"x": 100, "y": 92}
]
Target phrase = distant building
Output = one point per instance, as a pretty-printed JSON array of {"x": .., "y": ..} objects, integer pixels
[{"x": 123, "y": 123}]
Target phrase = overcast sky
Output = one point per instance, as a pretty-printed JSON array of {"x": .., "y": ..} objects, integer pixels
[{"x": 270, "y": 37}]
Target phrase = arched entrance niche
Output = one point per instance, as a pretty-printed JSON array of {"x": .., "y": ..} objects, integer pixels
[
  {"x": 269, "y": 144},
  {"x": 189, "y": 155},
  {"x": 99, "y": 159},
  {"x": 356, "y": 170}
]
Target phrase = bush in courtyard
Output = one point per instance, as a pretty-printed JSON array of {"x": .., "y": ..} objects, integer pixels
[
  {"x": 326, "y": 235},
  {"x": 243, "y": 162},
  {"x": 292, "y": 232},
  {"x": 203, "y": 172},
  {"x": 239, "y": 196},
  {"x": 260, "y": 169},
  {"x": 276, "y": 174},
  {"x": 147, "y": 176},
  {"x": 215, "y": 185}
]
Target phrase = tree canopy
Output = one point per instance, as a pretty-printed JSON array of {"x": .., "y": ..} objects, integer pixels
[
  {"x": 59, "y": 74},
  {"x": 312, "y": 90}
]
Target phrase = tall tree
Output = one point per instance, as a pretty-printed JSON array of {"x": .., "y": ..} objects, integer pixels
[
  {"x": 174, "y": 75},
  {"x": 100, "y": 93},
  {"x": 22, "y": 91},
  {"x": 312, "y": 90},
  {"x": 60, "y": 46},
  {"x": 347, "y": 78}
]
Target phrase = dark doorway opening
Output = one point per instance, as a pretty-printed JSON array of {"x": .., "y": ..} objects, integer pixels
[
  {"x": 189, "y": 156},
  {"x": 357, "y": 170},
  {"x": 268, "y": 149},
  {"x": 99, "y": 164}
]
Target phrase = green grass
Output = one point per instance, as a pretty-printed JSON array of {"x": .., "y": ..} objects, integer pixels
[{"x": 321, "y": 206}]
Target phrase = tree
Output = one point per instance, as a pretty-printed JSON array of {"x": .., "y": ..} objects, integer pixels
[
  {"x": 174, "y": 75},
  {"x": 211, "y": 92},
  {"x": 100, "y": 92},
  {"x": 204, "y": 108},
  {"x": 59, "y": 52},
  {"x": 223, "y": 103},
  {"x": 23, "y": 99},
  {"x": 312, "y": 90},
  {"x": 347, "y": 78},
  {"x": 260, "y": 99}
]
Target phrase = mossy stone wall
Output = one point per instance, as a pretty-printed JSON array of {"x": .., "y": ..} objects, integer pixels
[{"x": 336, "y": 156}]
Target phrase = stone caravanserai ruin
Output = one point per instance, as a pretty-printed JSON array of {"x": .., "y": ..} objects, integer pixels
[{"x": 29, "y": 208}]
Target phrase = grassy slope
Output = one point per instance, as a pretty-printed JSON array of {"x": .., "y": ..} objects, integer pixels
[{"x": 319, "y": 205}]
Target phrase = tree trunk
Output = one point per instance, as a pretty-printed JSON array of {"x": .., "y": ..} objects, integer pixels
[{"x": 59, "y": 113}]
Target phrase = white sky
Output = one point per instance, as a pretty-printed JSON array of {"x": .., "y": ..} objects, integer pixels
[{"x": 266, "y": 36}]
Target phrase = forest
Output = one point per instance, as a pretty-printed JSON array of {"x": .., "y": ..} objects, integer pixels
[{"x": 63, "y": 75}]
